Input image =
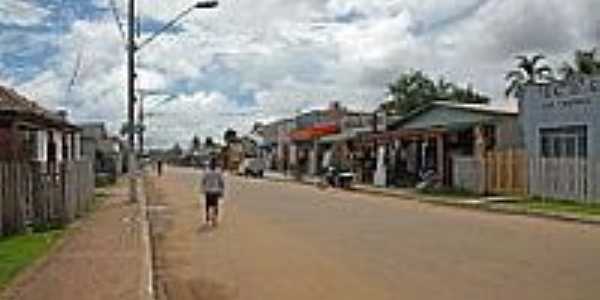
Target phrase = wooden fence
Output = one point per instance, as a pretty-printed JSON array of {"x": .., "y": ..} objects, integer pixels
[
  {"x": 32, "y": 194},
  {"x": 506, "y": 172},
  {"x": 502, "y": 173}
]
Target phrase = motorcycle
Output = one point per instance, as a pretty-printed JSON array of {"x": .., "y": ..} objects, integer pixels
[{"x": 338, "y": 178}]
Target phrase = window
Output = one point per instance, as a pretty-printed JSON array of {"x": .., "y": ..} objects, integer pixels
[{"x": 564, "y": 142}]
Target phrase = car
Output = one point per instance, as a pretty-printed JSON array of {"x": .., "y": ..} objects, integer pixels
[{"x": 253, "y": 167}]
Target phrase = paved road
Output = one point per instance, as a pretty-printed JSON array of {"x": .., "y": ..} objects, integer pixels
[{"x": 285, "y": 241}]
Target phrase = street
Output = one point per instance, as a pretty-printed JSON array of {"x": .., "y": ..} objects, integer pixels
[{"x": 289, "y": 241}]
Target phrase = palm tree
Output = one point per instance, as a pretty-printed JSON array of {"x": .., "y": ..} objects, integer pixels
[
  {"x": 585, "y": 63},
  {"x": 528, "y": 72}
]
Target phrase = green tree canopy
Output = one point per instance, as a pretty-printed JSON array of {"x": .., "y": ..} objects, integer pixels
[
  {"x": 229, "y": 136},
  {"x": 415, "y": 89},
  {"x": 196, "y": 144},
  {"x": 585, "y": 62},
  {"x": 209, "y": 143}
]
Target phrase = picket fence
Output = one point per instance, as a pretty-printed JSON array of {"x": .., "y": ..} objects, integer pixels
[{"x": 40, "y": 195}]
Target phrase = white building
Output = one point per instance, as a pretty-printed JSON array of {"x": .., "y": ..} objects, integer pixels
[{"x": 561, "y": 126}]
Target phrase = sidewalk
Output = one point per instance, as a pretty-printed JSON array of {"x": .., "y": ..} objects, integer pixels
[
  {"x": 402, "y": 193},
  {"x": 102, "y": 256},
  {"x": 491, "y": 204}
]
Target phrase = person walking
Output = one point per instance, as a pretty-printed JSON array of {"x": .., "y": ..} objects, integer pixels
[
  {"x": 213, "y": 186},
  {"x": 159, "y": 167}
]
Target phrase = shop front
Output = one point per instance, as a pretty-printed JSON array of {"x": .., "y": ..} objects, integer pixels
[{"x": 307, "y": 152}]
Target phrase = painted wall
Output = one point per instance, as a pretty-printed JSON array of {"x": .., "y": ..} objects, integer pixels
[{"x": 555, "y": 105}]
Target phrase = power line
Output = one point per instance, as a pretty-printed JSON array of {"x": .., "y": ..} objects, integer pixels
[{"x": 117, "y": 18}]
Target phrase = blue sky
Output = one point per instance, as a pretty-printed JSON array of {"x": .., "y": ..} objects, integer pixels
[{"x": 263, "y": 59}]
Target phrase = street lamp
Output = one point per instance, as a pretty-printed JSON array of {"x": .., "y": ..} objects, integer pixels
[
  {"x": 131, "y": 50},
  {"x": 142, "y": 95},
  {"x": 206, "y": 4}
]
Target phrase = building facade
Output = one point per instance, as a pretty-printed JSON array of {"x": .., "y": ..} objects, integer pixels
[{"x": 561, "y": 125}]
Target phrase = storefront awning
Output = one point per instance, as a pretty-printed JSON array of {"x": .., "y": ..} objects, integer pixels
[
  {"x": 314, "y": 133},
  {"x": 344, "y": 136}
]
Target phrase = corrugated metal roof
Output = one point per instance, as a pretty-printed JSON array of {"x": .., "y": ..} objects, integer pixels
[
  {"x": 13, "y": 102},
  {"x": 450, "y": 113},
  {"x": 10, "y": 100},
  {"x": 509, "y": 108}
]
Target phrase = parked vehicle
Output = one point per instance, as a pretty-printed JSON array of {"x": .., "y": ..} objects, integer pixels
[
  {"x": 339, "y": 178},
  {"x": 254, "y": 167}
]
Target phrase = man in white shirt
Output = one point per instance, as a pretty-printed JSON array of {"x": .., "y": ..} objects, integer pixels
[{"x": 213, "y": 186}]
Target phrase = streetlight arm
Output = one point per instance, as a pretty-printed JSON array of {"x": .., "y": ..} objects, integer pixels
[{"x": 199, "y": 5}]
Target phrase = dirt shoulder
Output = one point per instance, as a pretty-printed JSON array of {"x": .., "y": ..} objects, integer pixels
[{"x": 101, "y": 258}]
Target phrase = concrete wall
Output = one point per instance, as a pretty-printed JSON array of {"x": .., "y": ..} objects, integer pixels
[
  {"x": 509, "y": 134},
  {"x": 562, "y": 104}
]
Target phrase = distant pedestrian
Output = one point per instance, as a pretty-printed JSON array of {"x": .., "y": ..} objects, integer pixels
[
  {"x": 213, "y": 186},
  {"x": 159, "y": 167}
]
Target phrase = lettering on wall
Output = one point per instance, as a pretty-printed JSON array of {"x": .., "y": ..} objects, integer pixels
[
  {"x": 571, "y": 88},
  {"x": 568, "y": 103}
]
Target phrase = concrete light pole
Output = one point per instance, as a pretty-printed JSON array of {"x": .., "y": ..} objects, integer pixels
[{"x": 132, "y": 48}]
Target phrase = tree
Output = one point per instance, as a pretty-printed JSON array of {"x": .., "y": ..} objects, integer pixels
[
  {"x": 528, "y": 71},
  {"x": 586, "y": 62},
  {"x": 229, "y": 136},
  {"x": 176, "y": 150},
  {"x": 209, "y": 143},
  {"x": 196, "y": 144},
  {"x": 415, "y": 89}
]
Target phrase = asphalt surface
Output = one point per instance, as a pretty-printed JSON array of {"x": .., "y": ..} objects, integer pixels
[{"x": 288, "y": 241}]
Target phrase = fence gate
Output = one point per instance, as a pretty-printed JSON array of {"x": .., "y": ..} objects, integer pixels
[{"x": 506, "y": 172}]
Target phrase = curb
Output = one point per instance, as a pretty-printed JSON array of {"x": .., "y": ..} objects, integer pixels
[
  {"x": 486, "y": 207},
  {"x": 147, "y": 290}
]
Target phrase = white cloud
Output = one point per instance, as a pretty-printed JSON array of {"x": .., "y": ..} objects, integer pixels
[
  {"x": 300, "y": 54},
  {"x": 21, "y": 13}
]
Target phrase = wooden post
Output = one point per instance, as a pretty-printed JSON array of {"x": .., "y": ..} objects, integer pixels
[
  {"x": 511, "y": 166},
  {"x": 440, "y": 157},
  {"x": 2, "y": 196}
]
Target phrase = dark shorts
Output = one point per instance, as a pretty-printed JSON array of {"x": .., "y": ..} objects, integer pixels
[{"x": 212, "y": 200}]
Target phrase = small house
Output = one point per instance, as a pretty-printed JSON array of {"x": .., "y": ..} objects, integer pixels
[{"x": 446, "y": 138}]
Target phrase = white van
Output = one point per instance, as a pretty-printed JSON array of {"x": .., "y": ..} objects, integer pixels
[{"x": 254, "y": 167}]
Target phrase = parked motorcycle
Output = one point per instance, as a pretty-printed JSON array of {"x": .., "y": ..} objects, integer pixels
[{"x": 338, "y": 178}]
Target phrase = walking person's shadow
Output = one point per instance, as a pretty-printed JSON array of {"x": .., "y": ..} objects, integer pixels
[{"x": 206, "y": 228}]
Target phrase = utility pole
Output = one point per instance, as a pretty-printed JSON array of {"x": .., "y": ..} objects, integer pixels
[
  {"x": 131, "y": 48},
  {"x": 141, "y": 123}
]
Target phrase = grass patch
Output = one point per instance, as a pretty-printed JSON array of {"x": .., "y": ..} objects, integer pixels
[
  {"x": 18, "y": 252},
  {"x": 448, "y": 192},
  {"x": 560, "y": 206}
]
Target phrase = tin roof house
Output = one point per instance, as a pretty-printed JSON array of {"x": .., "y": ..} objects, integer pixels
[{"x": 29, "y": 132}]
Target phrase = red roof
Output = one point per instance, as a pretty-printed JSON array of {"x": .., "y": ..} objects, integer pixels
[{"x": 314, "y": 132}]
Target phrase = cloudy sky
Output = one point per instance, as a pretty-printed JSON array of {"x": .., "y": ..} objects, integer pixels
[{"x": 263, "y": 59}]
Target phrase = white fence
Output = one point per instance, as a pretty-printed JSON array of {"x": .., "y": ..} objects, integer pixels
[
  {"x": 513, "y": 173},
  {"x": 564, "y": 178},
  {"x": 468, "y": 174}
]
